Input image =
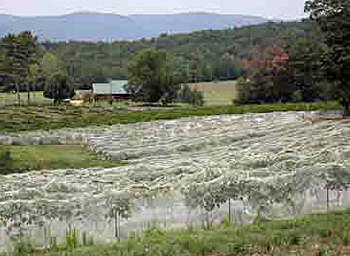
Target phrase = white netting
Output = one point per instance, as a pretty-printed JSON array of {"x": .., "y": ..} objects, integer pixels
[{"x": 261, "y": 158}]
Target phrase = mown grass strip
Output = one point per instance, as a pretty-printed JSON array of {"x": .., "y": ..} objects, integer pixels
[
  {"x": 13, "y": 120},
  {"x": 50, "y": 157}
]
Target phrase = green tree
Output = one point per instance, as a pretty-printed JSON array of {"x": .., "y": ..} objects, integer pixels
[
  {"x": 192, "y": 97},
  {"x": 20, "y": 52},
  {"x": 59, "y": 88},
  {"x": 51, "y": 65},
  {"x": 334, "y": 21},
  {"x": 304, "y": 58},
  {"x": 151, "y": 76},
  {"x": 6, "y": 162}
]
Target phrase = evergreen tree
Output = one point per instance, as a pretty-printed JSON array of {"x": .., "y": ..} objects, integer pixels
[{"x": 19, "y": 54}]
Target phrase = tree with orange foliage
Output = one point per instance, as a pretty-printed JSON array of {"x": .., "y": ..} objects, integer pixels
[{"x": 269, "y": 74}]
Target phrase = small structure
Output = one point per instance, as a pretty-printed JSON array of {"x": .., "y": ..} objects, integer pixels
[
  {"x": 112, "y": 91},
  {"x": 85, "y": 95}
]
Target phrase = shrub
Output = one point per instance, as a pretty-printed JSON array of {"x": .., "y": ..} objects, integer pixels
[
  {"x": 196, "y": 98},
  {"x": 24, "y": 247},
  {"x": 5, "y": 161},
  {"x": 192, "y": 97},
  {"x": 59, "y": 88},
  {"x": 297, "y": 96},
  {"x": 242, "y": 91}
]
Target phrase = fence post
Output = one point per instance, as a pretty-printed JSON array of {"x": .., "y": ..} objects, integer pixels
[
  {"x": 229, "y": 210},
  {"x": 327, "y": 197}
]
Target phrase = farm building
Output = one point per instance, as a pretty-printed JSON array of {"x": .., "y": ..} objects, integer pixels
[{"x": 114, "y": 90}]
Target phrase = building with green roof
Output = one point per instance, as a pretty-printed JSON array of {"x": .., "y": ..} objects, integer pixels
[{"x": 114, "y": 90}]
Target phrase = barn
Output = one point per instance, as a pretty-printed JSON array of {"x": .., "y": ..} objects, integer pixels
[{"x": 112, "y": 91}]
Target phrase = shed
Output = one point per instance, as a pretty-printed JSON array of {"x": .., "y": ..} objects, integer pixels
[{"x": 114, "y": 90}]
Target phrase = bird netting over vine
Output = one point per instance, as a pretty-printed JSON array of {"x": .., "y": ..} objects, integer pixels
[{"x": 264, "y": 158}]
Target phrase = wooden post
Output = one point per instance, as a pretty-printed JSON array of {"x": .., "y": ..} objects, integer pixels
[
  {"x": 17, "y": 89},
  {"x": 327, "y": 198},
  {"x": 229, "y": 210},
  {"x": 117, "y": 225},
  {"x": 28, "y": 94}
]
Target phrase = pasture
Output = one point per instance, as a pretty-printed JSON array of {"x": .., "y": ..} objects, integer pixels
[
  {"x": 36, "y": 98},
  {"x": 216, "y": 93}
]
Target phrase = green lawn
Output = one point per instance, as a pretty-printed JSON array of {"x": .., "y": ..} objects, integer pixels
[
  {"x": 36, "y": 98},
  {"x": 50, "y": 157},
  {"x": 217, "y": 93},
  {"x": 317, "y": 234},
  {"x": 218, "y": 98}
]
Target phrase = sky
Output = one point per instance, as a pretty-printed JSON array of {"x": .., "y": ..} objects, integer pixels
[{"x": 283, "y": 9}]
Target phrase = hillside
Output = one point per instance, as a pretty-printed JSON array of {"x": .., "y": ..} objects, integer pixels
[
  {"x": 87, "y": 26},
  {"x": 203, "y": 55}
]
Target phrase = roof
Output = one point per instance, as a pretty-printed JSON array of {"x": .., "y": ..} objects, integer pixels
[{"x": 113, "y": 87}]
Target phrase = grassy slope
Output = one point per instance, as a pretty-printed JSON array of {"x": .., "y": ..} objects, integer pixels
[
  {"x": 53, "y": 157},
  {"x": 14, "y": 118},
  {"x": 216, "y": 93},
  {"x": 317, "y": 234}
]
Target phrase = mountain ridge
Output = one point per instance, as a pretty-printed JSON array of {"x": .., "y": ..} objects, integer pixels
[{"x": 95, "y": 26}]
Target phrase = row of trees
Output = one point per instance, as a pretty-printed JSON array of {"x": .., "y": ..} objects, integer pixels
[
  {"x": 18, "y": 59},
  {"x": 152, "y": 73},
  {"x": 273, "y": 74},
  {"x": 316, "y": 67},
  {"x": 24, "y": 66},
  {"x": 198, "y": 56}
]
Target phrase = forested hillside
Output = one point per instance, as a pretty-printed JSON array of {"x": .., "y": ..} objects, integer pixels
[{"x": 198, "y": 56}]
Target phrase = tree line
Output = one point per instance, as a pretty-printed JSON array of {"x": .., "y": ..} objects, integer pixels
[{"x": 198, "y": 56}]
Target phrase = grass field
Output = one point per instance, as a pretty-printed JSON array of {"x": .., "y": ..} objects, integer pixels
[
  {"x": 317, "y": 234},
  {"x": 50, "y": 157},
  {"x": 14, "y": 119},
  {"x": 36, "y": 98},
  {"x": 216, "y": 93}
]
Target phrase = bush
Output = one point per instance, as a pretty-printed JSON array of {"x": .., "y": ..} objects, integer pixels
[
  {"x": 297, "y": 96},
  {"x": 24, "y": 247},
  {"x": 242, "y": 92},
  {"x": 59, "y": 88},
  {"x": 5, "y": 161},
  {"x": 194, "y": 98}
]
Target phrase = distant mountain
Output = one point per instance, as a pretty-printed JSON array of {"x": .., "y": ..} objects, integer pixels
[{"x": 87, "y": 26}]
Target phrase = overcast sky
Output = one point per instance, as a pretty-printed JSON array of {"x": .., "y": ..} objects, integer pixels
[{"x": 285, "y": 9}]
